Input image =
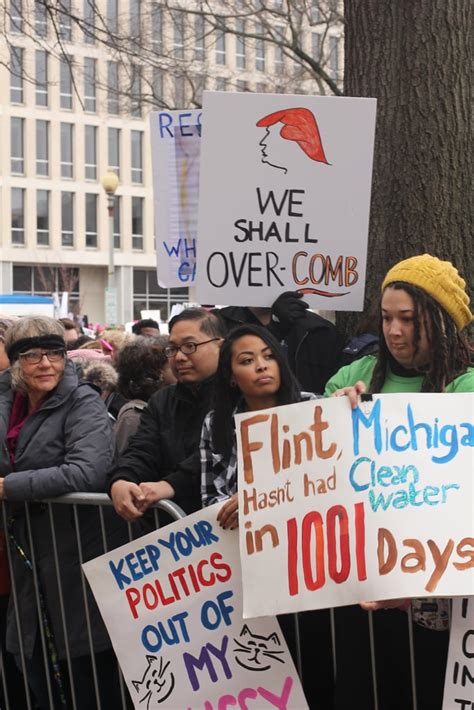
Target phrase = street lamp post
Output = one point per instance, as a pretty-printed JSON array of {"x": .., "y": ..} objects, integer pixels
[{"x": 110, "y": 183}]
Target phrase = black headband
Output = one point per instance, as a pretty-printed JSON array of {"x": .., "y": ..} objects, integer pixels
[{"x": 48, "y": 342}]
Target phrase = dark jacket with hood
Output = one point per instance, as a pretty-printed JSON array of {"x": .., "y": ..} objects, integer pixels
[
  {"x": 65, "y": 446},
  {"x": 312, "y": 344},
  {"x": 166, "y": 445}
]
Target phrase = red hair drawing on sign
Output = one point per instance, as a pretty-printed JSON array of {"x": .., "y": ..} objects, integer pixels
[{"x": 299, "y": 125}]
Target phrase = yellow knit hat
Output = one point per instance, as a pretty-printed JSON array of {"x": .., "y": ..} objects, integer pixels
[{"x": 440, "y": 279}]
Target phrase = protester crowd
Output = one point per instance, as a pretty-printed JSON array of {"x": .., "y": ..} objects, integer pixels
[{"x": 146, "y": 417}]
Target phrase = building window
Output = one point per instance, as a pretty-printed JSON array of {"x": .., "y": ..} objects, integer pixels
[
  {"x": 135, "y": 19},
  {"x": 112, "y": 88},
  {"x": 179, "y": 92},
  {"x": 18, "y": 215},
  {"x": 222, "y": 83},
  {"x": 316, "y": 46},
  {"x": 41, "y": 19},
  {"x": 157, "y": 29},
  {"x": 41, "y": 76},
  {"x": 199, "y": 38},
  {"x": 148, "y": 295},
  {"x": 315, "y": 12},
  {"x": 16, "y": 75},
  {"x": 220, "y": 42},
  {"x": 89, "y": 21},
  {"x": 112, "y": 16},
  {"x": 240, "y": 44},
  {"x": 137, "y": 223},
  {"x": 90, "y": 152},
  {"x": 278, "y": 59},
  {"x": 117, "y": 222},
  {"x": 65, "y": 21},
  {"x": 241, "y": 85},
  {"x": 136, "y": 91},
  {"x": 42, "y": 218},
  {"x": 65, "y": 82},
  {"x": 260, "y": 88},
  {"x": 67, "y": 219},
  {"x": 259, "y": 49},
  {"x": 334, "y": 57},
  {"x": 89, "y": 84},
  {"x": 42, "y": 148},
  {"x": 333, "y": 8},
  {"x": 45, "y": 280},
  {"x": 67, "y": 150},
  {"x": 16, "y": 16},
  {"x": 199, "y": 84},
  {"x": 114, "y": 150},
  {"x": 137, "y": 157},
  {"x": 91, "y": 221},
  {"x": 17, "y": 146},
  {"x": 158, "y": 85},
  {"x": 177, "y": 19}
]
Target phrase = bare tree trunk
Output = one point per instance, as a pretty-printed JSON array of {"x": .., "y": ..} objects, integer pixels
[{"x": 414, "y": 57}]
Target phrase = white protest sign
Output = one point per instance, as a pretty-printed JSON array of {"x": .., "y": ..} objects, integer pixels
[
  {"x": 459, "y": 683},
  {"x": 339, "y": 506},
  {"x": 172, "y": 604},
  {"x": 284, "y": 199},
  {"x": 176, "y": 145}
]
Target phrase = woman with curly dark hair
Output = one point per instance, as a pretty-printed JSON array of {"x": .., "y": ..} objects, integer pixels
[
  {"x": 140, "y": 366},
  {"x": 424, "y": 309}
]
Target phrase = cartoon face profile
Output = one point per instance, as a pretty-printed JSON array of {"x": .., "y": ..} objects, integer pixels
[
  {"x": 157, "y": 683},
  {"x": 257, "y": 653},
  {"x": 299, "y": 125}
]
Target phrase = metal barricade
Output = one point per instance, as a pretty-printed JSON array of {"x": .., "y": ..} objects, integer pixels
[
  {"x": 100, "y": 503},
  {"x": 15, "y": 690}
]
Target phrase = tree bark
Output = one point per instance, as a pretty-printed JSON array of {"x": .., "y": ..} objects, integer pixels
[{"x": 414, "y": 57}]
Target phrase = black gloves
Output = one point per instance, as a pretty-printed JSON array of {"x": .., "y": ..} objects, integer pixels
[{"x": 287, "y": 308}]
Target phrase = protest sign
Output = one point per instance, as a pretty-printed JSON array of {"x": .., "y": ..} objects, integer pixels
[
  {"x": 172, "y": 604},
  {"x": 459, "y": 683},
  {"x": 175, "y": 145},
  {"x": 339, "y": 506},
  {"x": 284, "y": 199}
]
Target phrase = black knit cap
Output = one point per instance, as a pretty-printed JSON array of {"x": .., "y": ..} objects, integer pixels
[{"x": 46, "y": 342}]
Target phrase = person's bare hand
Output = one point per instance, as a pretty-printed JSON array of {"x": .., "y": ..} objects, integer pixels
[
  {"x": 352, "y": 392},
  {"x": 386, "y": 604},
  {"x": 153, "y": 491},
  {"x": 2, "y": 488},
  {"x": 127, "y": 498},
  {"x": 228, "y": 515}
]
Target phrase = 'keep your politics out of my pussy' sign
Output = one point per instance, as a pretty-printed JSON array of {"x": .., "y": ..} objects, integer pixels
[{"x": 172, "y": 603}]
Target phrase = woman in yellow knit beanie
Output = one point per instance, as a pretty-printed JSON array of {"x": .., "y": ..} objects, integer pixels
[{"x": 424, "y": 309}]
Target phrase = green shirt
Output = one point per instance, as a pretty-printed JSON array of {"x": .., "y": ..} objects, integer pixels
[{"x": 362, "y": 370}]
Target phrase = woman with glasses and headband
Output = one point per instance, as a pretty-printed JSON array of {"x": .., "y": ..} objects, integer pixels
[{"x": 56, "y": 439}]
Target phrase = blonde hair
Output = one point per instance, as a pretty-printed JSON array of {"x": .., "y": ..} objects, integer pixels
[{"x": 117, "y": 338}]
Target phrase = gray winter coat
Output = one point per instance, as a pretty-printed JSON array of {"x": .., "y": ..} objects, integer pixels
[{"x": 65, "y": 446}]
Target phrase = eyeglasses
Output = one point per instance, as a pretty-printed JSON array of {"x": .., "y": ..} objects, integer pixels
[
  {"x": 185, "y": 348},
  {"x": 33, "y": 357}
]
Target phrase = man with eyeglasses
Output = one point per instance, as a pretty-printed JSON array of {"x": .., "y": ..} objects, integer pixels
[{"x": 162, "y": 459}]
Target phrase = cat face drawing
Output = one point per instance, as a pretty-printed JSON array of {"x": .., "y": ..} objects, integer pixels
[
  {"x": 257, "y": 653},
  {"x": 157, "y": 683}
]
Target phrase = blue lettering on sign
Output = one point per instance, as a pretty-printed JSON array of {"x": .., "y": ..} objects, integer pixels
[
  {"x": 183, "y": 127},
  {"x": 412, "y": 435},
  {"x": 171, "y": 632}
]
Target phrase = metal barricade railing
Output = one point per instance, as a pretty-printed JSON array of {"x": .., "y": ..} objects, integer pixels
[
  {"x": 101, "y": 503},
  {"x": 17, "y": 693}
]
